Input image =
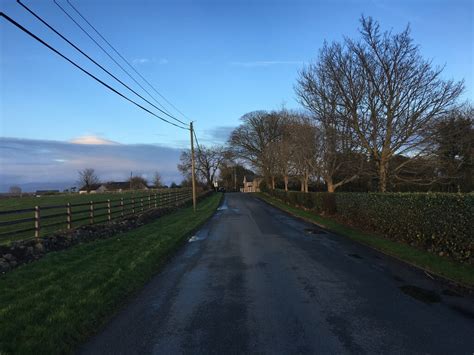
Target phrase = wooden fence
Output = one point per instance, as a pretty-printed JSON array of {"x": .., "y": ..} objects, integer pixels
[{"x": 38, "y": 221}]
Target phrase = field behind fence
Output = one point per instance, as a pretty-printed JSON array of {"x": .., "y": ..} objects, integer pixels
[{"x": 33, "y": 217}]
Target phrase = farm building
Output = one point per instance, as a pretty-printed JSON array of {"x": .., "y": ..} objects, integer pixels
[{"x": 251, "y": 184}]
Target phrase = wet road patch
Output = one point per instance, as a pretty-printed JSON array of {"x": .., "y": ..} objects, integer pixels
[
  {"x": 314, "y": 231},
  {"x": 421, "y": 294},
  {"x": 356, "y": 256}
]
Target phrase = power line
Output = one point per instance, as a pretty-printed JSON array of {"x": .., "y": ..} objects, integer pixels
[
  {"x": 118, "y": 64},
  {"x": 9, "y": 19},
  {"x": 91, "y": 59},
  {"x": 123, "y": 58},
  {"x": 197, "y": 142}
]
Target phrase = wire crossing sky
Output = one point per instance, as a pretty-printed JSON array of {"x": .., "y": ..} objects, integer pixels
[{"x": 215, "y": 60}]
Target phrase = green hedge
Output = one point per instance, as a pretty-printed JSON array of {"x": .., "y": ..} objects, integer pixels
[{"x": 440, "y": 223}]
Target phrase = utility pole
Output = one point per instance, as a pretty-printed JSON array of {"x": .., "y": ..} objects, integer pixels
[{"x": 193, "y": 178}]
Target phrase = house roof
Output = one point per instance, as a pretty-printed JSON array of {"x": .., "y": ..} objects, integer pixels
[
  {"x": 251, "y": 178},
  {"x": 91, "y": 187},
  {"x": 118, "y": 185}
]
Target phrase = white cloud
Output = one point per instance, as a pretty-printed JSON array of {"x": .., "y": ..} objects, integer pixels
[
  {"x": 92, "y": 140},
  {"x": 266, "y": 63},
  {"x": 141, "y": 60}
]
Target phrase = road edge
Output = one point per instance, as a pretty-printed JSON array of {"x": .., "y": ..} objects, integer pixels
[{"x": 428, "y": 273}]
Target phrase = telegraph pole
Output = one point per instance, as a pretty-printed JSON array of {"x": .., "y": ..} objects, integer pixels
[{"x": 191, "y": 131}]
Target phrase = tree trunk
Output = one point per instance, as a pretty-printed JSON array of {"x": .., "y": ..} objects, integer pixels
[
  {"x": 273, "y": 182},
  {"x": 383, "y": 175},
  {"x": 285, "y": 179},
  {"x": 306, "y": 178},
  {"x": 330, "y": 185},
  {"x": 302, "y": 184}
]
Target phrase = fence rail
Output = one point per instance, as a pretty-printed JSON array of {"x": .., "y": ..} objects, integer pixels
[{"x": 37, "y": 222}]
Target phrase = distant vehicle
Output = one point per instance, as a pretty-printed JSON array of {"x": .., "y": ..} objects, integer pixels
[{"x": 221, "y": 189}]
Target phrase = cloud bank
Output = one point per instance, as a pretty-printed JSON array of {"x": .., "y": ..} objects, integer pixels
[{"x": 37, "y": 164}]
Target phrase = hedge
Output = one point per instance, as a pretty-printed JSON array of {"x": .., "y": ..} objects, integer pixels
[{"x": 440, "y": 223}]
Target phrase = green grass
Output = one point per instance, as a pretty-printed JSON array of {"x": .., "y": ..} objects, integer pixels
[
  {"x": 52, "y": 305},
  {"x": 460, "y": 273},
  {"x": 79, "y": 212}
]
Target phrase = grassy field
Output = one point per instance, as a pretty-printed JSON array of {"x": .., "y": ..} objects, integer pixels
[
  {"x": 79, "y": 212},
  {"x": 460, "y": 273},
  {"x": 52, "y": 305}
]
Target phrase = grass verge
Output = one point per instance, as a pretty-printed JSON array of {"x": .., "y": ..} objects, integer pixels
[
  {"x": 458, "y": 273},
  {"x": 52, "y": 305}
]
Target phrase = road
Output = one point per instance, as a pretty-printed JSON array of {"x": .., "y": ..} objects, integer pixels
[{"x": 256, "y": 280}]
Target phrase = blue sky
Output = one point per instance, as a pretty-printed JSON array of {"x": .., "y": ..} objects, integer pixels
[{"x": 215, "y": 60}]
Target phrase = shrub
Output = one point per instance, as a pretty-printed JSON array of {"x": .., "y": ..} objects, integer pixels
[{"x": 440, "y": 223}]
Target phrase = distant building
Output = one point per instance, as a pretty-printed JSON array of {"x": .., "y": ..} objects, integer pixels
[
  {"x": 117, "y": 186},
  {"x": 251, "y": 184},
  {"x": 93, "y": 189}
]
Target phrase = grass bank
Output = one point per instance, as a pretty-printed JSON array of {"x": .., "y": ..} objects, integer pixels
[
  {"x": 459, "y": 273},
  {"x": 52, "y": 305}
]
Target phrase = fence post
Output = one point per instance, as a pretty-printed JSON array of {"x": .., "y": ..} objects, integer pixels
[
  {"x": 109, "y": 211},
  {"x": 121, "y": 206},
  {"x": 141, "y": 203},
  {"x": 176, "y": 198},
  {"x": 154, "y": 196},
  {"x": 37, "y": 222},
  {"x": 133, "y": 205},
  {"x": 91, "y": 212},
  {"x": 68, "y": 215},
  {"x": 149, "y": 201}
]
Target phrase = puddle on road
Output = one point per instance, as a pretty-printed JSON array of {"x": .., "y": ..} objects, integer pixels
[
  {"x": 421, "y": 294},
  {"x": 195, "y": 238},
  {"x": 314, "y": 231},
  {"x": 356, "y": 256}
]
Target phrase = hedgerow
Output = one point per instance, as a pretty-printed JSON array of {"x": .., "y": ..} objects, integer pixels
[{"x": 440, "y": 223}]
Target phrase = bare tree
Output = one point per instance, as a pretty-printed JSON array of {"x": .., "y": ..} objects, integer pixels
[
  {"x": 87, "y": 178},
  {"x": 208, "y": 161},
  {"x": 387, "y": 92},
  {"x": 304, "y": 149},
  {"x": 15, "y": 190},
  {"x": 157, "y": 180},
  {"x": 452, "y": 141},
  {"x": 318, "y": 93},
  {"x": 138, "y": 183},
  {"x": 254, "y": 142}
]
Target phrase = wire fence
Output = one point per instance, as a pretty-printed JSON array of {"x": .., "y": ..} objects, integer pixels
[{"x": 39, "y": 221}]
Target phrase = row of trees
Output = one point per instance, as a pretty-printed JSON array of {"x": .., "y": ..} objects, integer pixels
[
  {"x": 377, "y": 117},
  {"x": 88, "y": 177},
  {"x": 285, "y": 147},
  {"x": 376, "y": 112}
]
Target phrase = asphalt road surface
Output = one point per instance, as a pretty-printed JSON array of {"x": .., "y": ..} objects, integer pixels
[{"x": 256, "y": 280}]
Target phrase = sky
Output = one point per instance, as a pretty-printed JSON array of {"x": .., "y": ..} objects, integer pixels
[{"x": 214, "y": 60}]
